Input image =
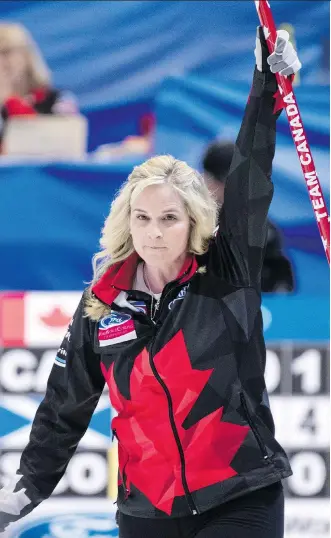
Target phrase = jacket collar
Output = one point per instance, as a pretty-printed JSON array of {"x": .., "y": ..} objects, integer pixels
[{"x": 119, "y": 277}]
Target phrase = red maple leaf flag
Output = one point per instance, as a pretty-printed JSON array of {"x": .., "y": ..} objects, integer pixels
[
  {"x": 147, "y": 447},
  {"x": 56, "y": 318}
]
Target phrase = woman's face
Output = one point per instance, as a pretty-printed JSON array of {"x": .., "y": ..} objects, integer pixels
[{"x": 159, "y": 225}]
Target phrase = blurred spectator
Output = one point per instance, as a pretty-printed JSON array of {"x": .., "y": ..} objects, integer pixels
[
  {"x": 277, "y": 274},
  {"x": 25, "y": 80}
]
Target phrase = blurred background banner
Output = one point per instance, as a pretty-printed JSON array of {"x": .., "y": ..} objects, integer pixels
[
  {"x": 156, "y": 77},
  {"x": 114, "y": 55},
  {"x": 114, "y": 52}
]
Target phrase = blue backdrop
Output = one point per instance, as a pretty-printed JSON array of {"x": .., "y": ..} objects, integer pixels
[
  {"x": 110, "y": 52},
  {"x": 192, "y": 63}
]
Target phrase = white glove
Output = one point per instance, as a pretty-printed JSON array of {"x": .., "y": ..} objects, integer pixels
[
  {"x": 284, "y": 60},
  {"x": 12, "y": 503}
]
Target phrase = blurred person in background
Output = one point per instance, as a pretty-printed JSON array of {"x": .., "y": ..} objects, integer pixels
[
  {"x": 25, "y": 79},
  {"x": 172, "y": 323},
  {"x": 277, "y": 272}
]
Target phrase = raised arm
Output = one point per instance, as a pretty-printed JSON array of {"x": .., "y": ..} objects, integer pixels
[
  {"x": 73, "y": 390},
  {"x": 248, "y": 192}
]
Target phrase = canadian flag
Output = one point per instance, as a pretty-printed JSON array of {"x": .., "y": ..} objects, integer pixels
[{"x": 34, "y": 319}]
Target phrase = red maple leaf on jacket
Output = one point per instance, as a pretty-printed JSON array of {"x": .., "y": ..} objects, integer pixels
[{"x": 147, "y": 448}]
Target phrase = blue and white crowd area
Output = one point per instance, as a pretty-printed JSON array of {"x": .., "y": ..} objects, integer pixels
[{"x": 188, "y": 66}]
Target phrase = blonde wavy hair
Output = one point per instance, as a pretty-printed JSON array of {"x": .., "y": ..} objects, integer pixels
[{"x": 16, "y": 35}]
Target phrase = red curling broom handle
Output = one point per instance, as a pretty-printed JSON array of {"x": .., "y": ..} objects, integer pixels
[{"x": 297, "y": 131}]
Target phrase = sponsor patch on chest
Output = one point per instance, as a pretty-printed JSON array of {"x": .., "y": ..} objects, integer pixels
[{"x": 114, "y": 328}]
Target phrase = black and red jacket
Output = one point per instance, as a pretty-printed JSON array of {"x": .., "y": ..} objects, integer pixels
[{"x": 194, "y": 426}]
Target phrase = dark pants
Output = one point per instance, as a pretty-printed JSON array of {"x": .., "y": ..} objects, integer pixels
[{"x": 256, "y": 515}]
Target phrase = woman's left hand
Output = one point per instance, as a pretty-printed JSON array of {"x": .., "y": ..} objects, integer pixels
[{"x": 284, "y": 60}]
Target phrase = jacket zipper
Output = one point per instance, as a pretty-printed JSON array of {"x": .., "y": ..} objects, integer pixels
[
  {"x": 188, "y": 495},
  {"x": 254, "y": 429},
  {"x": 122, "y": 473}
]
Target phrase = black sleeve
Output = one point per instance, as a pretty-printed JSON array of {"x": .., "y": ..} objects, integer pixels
[
  {"x": 73, "y": 390},
  {"x": 242, "y": 230}
]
